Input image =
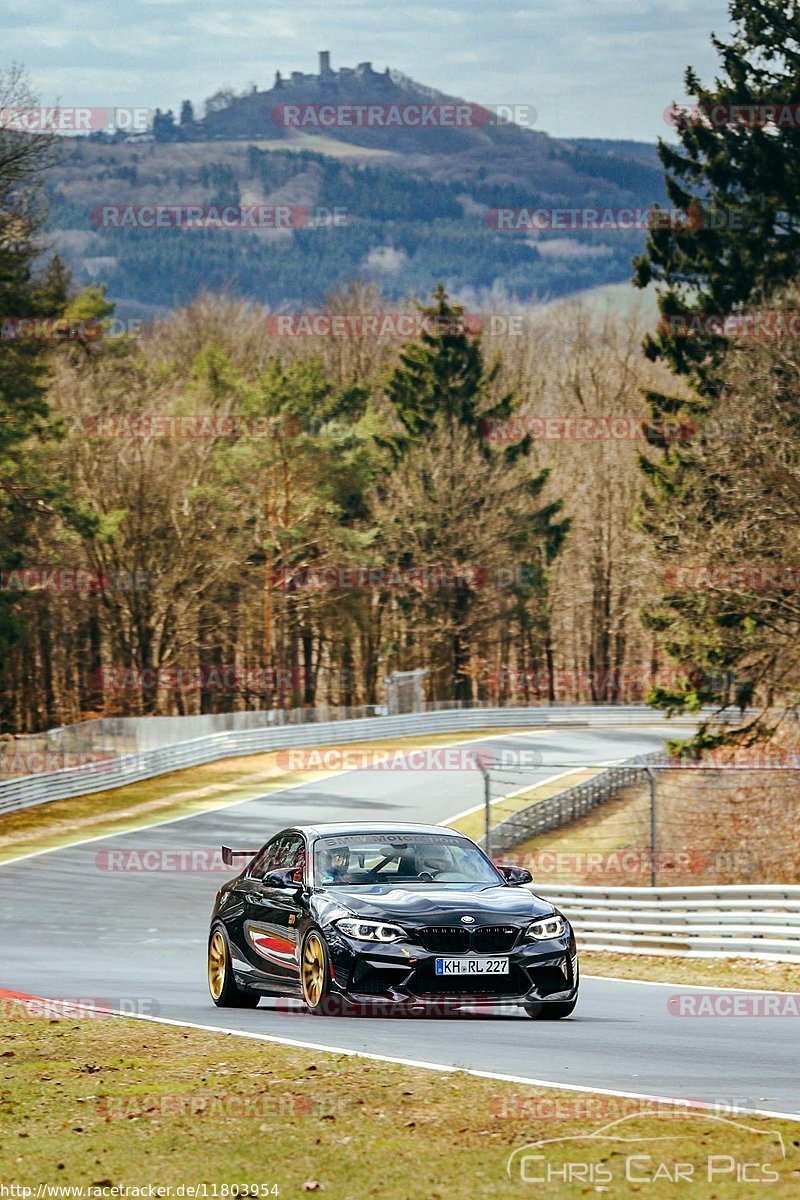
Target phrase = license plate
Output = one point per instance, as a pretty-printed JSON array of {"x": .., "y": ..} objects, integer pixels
[{"x": 471, "y": 966}]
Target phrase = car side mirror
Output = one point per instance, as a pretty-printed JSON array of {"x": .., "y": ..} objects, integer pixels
[
  {"x": 516, "y": 876},
  {"x": 285, "y": 878}
]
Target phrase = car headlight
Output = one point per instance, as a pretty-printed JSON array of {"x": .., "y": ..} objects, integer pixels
[
  {"x": 547, "y": 928},
  {"x": 370, "y": 931}
]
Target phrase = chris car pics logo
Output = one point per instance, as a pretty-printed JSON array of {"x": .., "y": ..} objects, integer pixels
[{"x": 680, "y": 1150}]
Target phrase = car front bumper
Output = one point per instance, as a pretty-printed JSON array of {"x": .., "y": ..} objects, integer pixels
[{"x": 400, "y": 973}]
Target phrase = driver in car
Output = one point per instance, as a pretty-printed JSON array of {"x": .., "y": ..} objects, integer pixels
[
  {"x": 433, "y": 862},
  {"x": 336, "y": 865}
]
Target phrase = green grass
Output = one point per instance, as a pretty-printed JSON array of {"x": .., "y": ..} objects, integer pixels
[{"x": 124, "y": 1103}]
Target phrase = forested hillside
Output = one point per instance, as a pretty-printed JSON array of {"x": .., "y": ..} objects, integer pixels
[{"x": 414, "y": 205}]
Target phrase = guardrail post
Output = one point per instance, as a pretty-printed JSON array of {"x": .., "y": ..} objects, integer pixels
[
  {"x": 651, "y": 778},
  {"x": 487, "y": 809},
  {"x": 485, "y": 769}
]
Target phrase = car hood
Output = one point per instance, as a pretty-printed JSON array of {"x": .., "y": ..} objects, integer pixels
[{"x": 427, "y": 904}]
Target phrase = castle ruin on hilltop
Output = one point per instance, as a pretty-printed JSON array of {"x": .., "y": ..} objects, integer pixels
[{"x": 326, "y": 74}]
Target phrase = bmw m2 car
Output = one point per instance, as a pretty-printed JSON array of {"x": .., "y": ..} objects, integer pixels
[{"x": 354, "y": 916}]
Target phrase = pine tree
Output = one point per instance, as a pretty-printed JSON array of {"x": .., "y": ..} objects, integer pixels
[
  {"x": 28, "y": 492},
  {"x": 735, "y": 175},
  {"x": 442, "y": 387},
  {"x": 23, "y": 410},
  {"x": 442, "y": 373}
]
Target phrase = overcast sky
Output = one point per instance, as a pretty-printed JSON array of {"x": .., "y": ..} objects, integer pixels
[{"x": 594, "y": 68}]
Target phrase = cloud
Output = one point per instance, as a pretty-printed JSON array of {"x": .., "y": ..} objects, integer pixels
[{"x": 385, "y": 259}]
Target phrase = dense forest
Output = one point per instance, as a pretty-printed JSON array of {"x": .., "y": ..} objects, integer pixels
[
  {"x": 255, "y": 523},
  {"x": 392, "y": 224}
]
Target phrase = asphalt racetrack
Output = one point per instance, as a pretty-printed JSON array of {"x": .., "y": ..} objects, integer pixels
[{"x": 137, "y": 940}]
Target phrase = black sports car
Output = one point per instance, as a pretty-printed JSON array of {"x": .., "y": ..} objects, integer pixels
[{"x": 364, "y": 915}]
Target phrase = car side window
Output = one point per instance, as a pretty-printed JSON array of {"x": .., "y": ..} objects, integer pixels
[
  {"x": 279, "y": 854},
  {"x": 266, "y": 858},
  {"x": 293, "y": 855}
]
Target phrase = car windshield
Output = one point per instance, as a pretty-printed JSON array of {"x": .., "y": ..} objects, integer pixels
[{"x": 404, "y": 859}]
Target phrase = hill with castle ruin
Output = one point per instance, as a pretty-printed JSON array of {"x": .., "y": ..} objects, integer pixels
[{"x": 416, "y": 196}]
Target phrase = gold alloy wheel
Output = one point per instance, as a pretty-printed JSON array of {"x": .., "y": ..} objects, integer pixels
[
  {"x": 216, "y": 965},
  {"x": 313, "y": 970}
]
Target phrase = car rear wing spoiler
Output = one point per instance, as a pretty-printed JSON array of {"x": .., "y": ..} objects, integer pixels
[{"x": 229, "y": 855}]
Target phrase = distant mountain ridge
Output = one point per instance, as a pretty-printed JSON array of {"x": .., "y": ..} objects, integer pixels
[{"x": 416, "y": 199}]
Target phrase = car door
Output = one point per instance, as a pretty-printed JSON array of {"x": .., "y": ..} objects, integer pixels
[{"x": 271, "y": 914}]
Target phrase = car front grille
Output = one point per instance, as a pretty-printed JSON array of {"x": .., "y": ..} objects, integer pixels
[
  {"x": 444, "y": 939},
  {"x": 494, "y": 939},
  {"x": 450, "y": 939}
]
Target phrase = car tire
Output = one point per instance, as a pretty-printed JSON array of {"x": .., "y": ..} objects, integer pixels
[
  {"x": 555, "y": 1011},
  {"x": 315, "y": 976},
  {"x": 225, "y": 992}
]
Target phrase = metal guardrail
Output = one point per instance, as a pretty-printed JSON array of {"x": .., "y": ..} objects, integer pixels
[
  {"x": 540, "y": 816},
  {"x": 732, "y": 920},
  {"x": 28, "y": 790},
  {"x": 112, "y": 736}
]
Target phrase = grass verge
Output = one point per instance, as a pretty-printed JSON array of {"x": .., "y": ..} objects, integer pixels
[
  {"x": 590, "y": 849},
  {"x": 119, "y": 1103},
  {"x": 703, "y": 972},
  {"x": 712, "y": 827},
  {"x": 473, "y": 823}
]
